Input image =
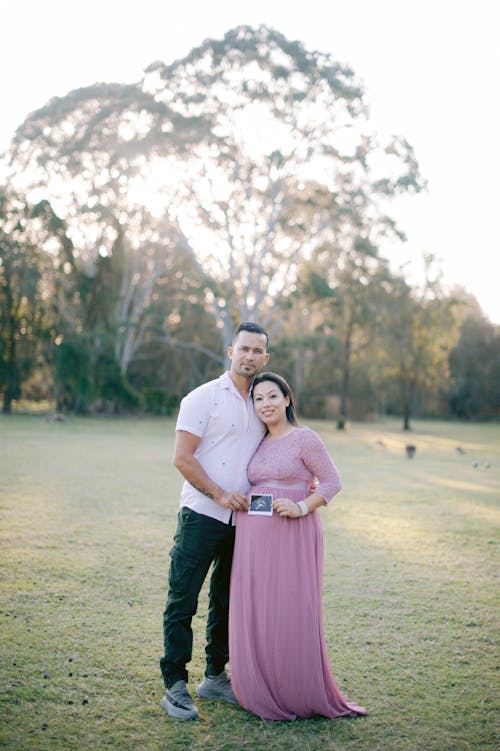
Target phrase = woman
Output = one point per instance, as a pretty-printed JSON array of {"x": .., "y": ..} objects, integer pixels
[{"x": 279, "y": 664}]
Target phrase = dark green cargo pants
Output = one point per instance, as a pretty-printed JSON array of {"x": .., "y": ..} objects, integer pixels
[{"x": 199, "y": 541}]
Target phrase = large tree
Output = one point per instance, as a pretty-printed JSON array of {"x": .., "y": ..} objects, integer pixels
[
  {"x": 475, "y": 369},
  {"x": 24, "y": 294},
  {"x": 419, "y": 331},
  {"x": 250, "y": 151},
  {"x": 289, "y": 161},
  {"x": 345, "y": 282}
]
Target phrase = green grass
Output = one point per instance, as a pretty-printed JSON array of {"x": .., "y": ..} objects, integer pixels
[{"x": 88, "y": 509}]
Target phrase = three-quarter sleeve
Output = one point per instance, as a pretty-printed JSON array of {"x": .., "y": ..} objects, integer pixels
[{"x": 318, "y": 461}]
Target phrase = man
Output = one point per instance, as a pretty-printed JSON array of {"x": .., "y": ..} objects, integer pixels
[{"x": 217, "y": 433}]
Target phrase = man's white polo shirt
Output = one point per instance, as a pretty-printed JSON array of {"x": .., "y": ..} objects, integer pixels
[{"x": 230, "y": 432}]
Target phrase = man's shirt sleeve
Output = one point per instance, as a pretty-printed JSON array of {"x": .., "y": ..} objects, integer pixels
[{"x": 194, "y": 412}]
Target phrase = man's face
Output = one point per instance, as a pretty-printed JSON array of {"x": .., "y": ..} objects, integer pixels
[{"x": 248, "y": 354}]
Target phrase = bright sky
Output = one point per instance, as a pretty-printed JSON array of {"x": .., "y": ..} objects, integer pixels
[{"x": 430, "y": 69}]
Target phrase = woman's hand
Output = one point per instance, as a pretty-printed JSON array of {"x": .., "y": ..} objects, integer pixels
[{"x": 286, "y": 507}]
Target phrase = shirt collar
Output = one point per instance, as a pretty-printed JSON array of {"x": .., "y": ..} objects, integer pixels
[{"x": 227, "y": 383}]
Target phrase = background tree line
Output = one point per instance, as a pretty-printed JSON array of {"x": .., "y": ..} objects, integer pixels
[{"x": 139, "y": 223}]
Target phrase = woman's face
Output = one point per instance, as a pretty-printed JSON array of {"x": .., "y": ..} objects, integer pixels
[{"x": 270, "y": 404}]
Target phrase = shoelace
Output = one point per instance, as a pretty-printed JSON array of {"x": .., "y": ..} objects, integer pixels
[{"x": 181, "y": 694}]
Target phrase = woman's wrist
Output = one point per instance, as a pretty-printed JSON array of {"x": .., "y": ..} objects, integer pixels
[{"x": 304, "y": 509}]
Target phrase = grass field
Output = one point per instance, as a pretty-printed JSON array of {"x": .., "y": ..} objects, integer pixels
[{"x": 88, "y": 509}]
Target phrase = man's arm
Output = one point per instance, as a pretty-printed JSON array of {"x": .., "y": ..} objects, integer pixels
[{"x": 192, "y": 471}]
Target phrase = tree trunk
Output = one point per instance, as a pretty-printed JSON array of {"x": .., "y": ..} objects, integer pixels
[
  {"x": 406, "y": 414},
  {"x": 12, "y": 385},
  {"x": 298, "y": 363},
  {"x": 406, "y": 418},
  {"x": 226, "y": 334},
  {"x": 408, "y": 401},
  {"x": 345, "y": 377},
  {"x": 12, "y": 381}
]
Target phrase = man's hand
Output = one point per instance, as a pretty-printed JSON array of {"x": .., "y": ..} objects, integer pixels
[
  {"x": 186, "y": 462},
  {"x": 234, "y": 501}
]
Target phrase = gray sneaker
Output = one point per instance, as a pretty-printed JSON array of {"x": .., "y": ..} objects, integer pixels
[
  {"x": 178, "y": 703},
  {"x": 217, "y": 688}
]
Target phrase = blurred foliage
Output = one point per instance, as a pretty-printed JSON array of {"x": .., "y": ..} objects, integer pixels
[{"x": 140, "y": 223}]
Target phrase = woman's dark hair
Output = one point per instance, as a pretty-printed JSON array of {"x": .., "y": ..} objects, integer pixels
[{"x": 285, "y": 390}]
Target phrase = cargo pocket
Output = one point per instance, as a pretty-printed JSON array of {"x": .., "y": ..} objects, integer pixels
[{"x": 183, "y": 570}]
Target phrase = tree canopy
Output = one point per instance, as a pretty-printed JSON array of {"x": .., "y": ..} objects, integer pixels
[{"x": 208, "y": 192}]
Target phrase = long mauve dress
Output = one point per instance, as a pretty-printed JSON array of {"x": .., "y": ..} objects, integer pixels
[{"x": 279, "y": 663}]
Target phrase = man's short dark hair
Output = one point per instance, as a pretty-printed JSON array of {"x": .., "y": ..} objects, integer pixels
[{"x": 253, "y": 328}]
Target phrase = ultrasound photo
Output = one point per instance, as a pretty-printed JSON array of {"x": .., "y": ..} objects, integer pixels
[{"x": 261, "y": 503}]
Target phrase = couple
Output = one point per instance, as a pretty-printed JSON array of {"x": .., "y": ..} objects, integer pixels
[{"x": 273, "y": 623}]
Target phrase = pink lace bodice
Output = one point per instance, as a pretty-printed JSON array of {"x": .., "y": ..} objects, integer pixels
[{"x": 295, "y": 459}]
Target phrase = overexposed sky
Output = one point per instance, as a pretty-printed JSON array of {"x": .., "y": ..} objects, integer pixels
[{"x": 430, "y": 69}]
